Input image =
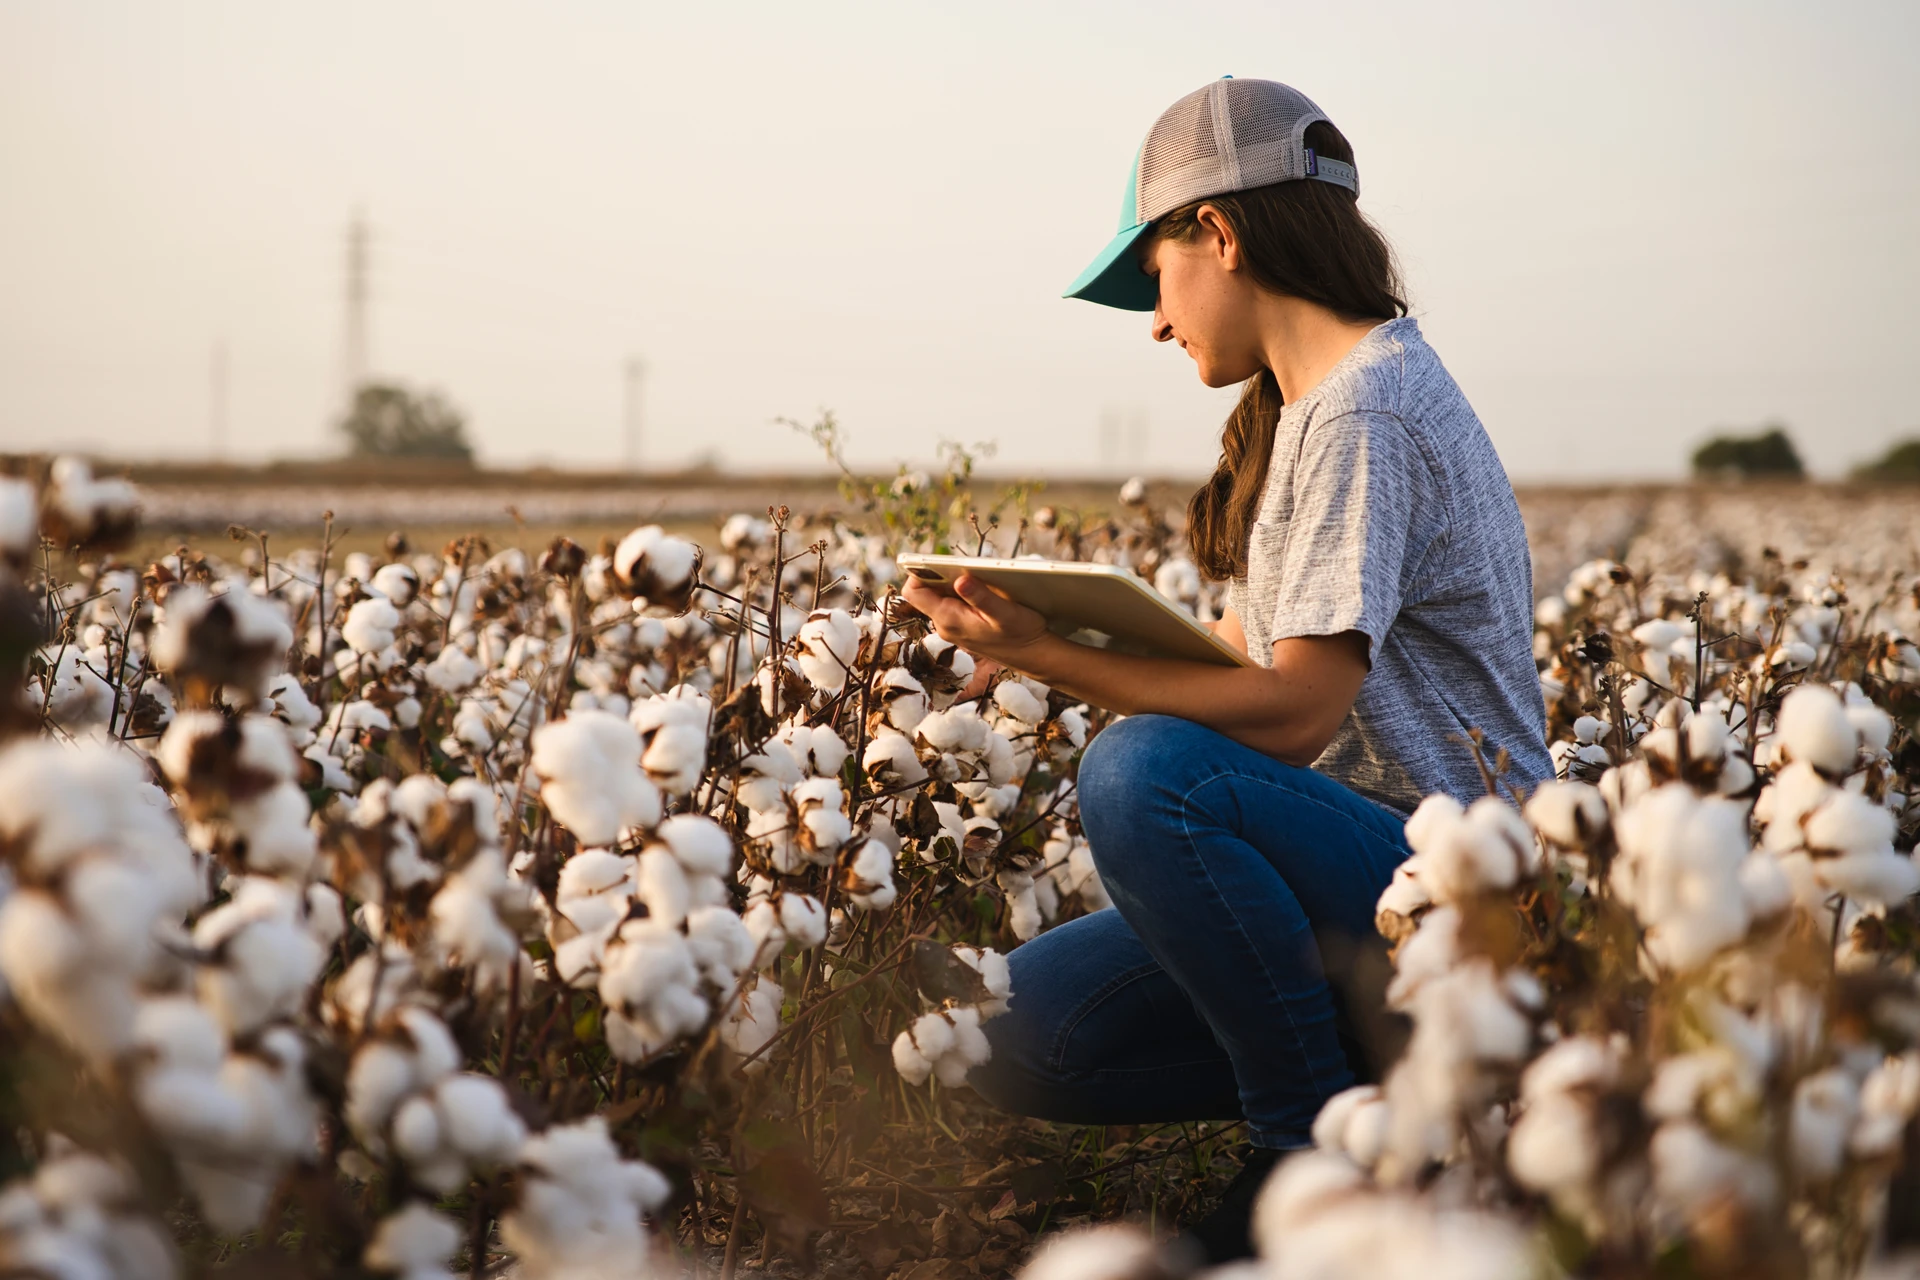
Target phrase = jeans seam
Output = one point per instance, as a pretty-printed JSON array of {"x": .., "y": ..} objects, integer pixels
[{"x": 1057, "y": 1057}]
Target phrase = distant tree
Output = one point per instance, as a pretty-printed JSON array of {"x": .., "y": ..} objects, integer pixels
[
  {"x": 389, "y": 421},
  {"x": 1769, "y": 454},
  {"x": 1901, "y": 463}
]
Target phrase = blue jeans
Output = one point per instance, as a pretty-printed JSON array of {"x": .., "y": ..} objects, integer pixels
[{"x": 1241, "y": 974}]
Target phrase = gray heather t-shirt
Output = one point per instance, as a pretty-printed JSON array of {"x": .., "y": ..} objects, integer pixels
[{"x": 1387, "y": 511}]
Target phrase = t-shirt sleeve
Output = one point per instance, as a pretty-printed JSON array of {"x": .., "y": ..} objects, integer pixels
[{"x": 1362, "y": 491}]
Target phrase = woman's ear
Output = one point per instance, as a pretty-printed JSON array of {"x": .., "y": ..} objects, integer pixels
[{"x": 1220, "y": 235}]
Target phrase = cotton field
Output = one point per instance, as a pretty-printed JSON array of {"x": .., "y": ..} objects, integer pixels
[{"x": 568, "y": 911}]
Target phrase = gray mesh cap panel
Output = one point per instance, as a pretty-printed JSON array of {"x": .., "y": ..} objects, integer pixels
[{"x": 1231, "y": 135}]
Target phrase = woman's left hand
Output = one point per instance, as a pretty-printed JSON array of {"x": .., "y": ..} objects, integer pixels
[{"x": 978, "y": 618}]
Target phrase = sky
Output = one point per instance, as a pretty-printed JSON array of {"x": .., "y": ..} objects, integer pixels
[{"x": 1623, "y": 226}]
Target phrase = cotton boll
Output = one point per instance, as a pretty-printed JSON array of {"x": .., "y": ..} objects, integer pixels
[
  {"x": 652, "y": 564},
  {"x": 1428, "y": 954},
  {"x": 452, "y": 670},
  {"x": 1488, "y": 848},
  {"x": 1002, "y": 763},
  {"x": 1588, "y": 730},
  {"x": 970, "y": 1048},
  {"x": 414, "y": 1243},
  {"x": 1882, "y": 877},
  {"x": 1693, "y": 1171},
  {"x": 1330, "y": 1126},
  {"x": 919, "y": 1047},
  {"x": 1794, "y": 655},
  {"x": 676, "y": 758},
  {"x": 956, "y": 730},
  {"x": 720, "y": 944},
  {"x": 1823, "y": 1113},
  {"x": 1874, "y": 726},
  {"x": 1679, "y": 870},
  {"x": 828, "y": 646},
  {"x": 1017, "y": 699},
  {"x": 762, "y": 922},
  {"x": 370, "y": 625},
  {"x": 767, "y": 776},
  {"x": 1570, "y": 814},
  {"x": 1553, "y": 1148},
  {"x": 1764, "y": 886},
  {"x": 1889, "y": 1097},
  {"x": 1658, "y": 633},
  {"x": 589, "y": 764},
  {"x": 112, "y": 902},
  {"x": 752, "y": 1021},
  {"x": 1298, "y": 1191},
  {"x": 1814, "y": 727},
  {"x": 817, "y": 748},
  {"x": 701, "y": 844},
  {"x": 869, "y": 877},
  {"x": 823, "y": 822},
  {"x": 592, "y": 871},
  {"x": 236, "y": 639},
  {"x": 1795, "y": 792},
  {"x": 1849, "y": 823},
  {"x": 435, "y": 1054},
  {"x": 274, "y": 831},
  {"x": 1023, "y": 908},
  {"x": 902, "y": 698},
  {"x": 994, "y": 973},
  {"x": 1095, "y": 1253},
  {"x": 890, "y": 761},
  {"x": 1431, "y": 819},
  {"x": 662, "y": 885},
  {"x": 416, "y": 1130},
  {"x": 478, "y": 1120},
  {"x": 803, "y": 919},
  {"x": 51, "y": 800},
  {"x": 177, "y": 1031},
  {"x": 263, "y": 958},
  {"x": 466, "y": 916},
  {"x": 380, "y": 1076}
]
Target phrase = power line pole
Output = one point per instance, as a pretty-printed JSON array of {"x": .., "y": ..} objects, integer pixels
[
  {"x": 636, "y": 369},
  {"x": 353, "y": 370},
  {"x": 217, "y": 401}
]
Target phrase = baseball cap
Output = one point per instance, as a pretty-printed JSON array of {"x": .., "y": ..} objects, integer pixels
[{"x": 1233, "y": 135}]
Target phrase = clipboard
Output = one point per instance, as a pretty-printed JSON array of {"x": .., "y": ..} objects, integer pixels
[{"x": 1100, "y": 604}]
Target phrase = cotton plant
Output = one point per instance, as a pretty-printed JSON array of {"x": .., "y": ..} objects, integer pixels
[
  {"x": 947, "y": 1042},
  {"x": 77, "y": 1214},
  {"x": 405, "y": 1095},
  {"x": 514, "y": 837}
]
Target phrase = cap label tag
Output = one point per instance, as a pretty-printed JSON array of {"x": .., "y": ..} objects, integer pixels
[{"x": 1313, "y": 163}]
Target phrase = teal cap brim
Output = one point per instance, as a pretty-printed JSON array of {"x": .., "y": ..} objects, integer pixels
[{"x": 1115, "y": 278}]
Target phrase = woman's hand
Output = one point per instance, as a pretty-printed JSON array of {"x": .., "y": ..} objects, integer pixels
[{"x": 981, "y": 620}]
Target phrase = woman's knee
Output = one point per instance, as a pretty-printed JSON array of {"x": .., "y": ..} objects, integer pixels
[
  {"x": 1130, "y": 756},
  {"x": 1131, "y": 782}
]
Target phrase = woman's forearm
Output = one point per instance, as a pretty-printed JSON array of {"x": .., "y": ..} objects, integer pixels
[{"x": 1284, "y": 712}]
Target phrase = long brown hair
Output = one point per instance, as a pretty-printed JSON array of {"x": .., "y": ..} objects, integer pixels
[{"x": 1306, "y": 240}]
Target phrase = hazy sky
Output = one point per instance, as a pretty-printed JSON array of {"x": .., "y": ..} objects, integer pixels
[{"x": 1622, "y": 224}]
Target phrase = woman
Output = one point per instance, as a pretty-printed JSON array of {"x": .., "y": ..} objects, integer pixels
[{"x": 1245, "y": 820}]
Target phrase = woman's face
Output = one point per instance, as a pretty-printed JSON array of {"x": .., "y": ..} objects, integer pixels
[{"x": 1206, "y": 301}]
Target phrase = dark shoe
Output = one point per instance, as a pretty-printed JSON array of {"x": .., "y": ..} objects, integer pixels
[{"x": 1223, "y": 1235}]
